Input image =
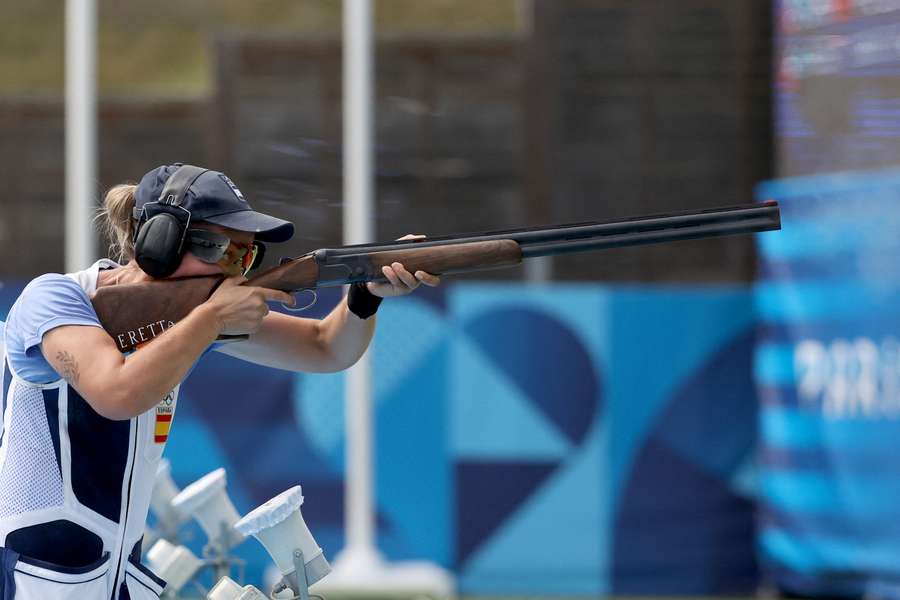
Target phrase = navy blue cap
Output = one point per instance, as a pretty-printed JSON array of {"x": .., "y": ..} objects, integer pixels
[{"x": 214, "y": 198}]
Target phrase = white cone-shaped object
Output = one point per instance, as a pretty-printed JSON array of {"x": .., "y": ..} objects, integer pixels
[
  {"x": 279, "y": 526},
  {"x": 207, "y": 501},
  {"x": 175, "y": 564},
  {"x": 168, "y": 517},
  {"x": 227, "y": 589},
  {"x": 150, "y": 537}
]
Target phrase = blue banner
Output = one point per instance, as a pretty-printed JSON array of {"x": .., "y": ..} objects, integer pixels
[
  {"x": 573, "y": 439},
  {"x": 828, "y": 371}
]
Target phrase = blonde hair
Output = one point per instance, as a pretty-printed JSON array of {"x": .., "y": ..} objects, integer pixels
[{"x": 116, "y": 221}]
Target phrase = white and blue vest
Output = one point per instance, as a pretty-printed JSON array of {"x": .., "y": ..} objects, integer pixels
[{"x": 75, "y": 490}]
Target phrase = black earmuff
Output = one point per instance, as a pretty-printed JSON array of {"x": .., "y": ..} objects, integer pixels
[
  {"x": 162, "y": 225},
  {"x": 158, "y": 247}
]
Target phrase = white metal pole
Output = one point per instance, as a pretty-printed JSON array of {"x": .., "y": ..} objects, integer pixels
[
  {"x": 360, "y": 569},
  {"x": 358, "y": 228},
  {"x": 81, "y": 132}
]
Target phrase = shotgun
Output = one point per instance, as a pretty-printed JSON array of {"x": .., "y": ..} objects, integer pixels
[{"x": 133, "y": 314}]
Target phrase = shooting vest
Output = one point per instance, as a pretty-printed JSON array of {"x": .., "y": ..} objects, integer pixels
[{"x": 75, "y": 489}]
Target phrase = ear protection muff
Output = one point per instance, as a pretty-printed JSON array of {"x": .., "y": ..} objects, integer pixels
[{"x": 159, "y": 242}]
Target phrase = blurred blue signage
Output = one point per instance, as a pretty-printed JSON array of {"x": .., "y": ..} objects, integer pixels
[{"x": 828, "y": 370}]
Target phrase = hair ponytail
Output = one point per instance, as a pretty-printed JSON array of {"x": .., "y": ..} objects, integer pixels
[{"x": 116, "y": 221}]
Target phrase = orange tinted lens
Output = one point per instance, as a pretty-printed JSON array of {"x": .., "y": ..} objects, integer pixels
[
  {"x": 249, "y": 257},
  {"x": 238, "y": 259}
]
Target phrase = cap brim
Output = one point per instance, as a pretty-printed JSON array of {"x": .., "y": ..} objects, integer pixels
[{"x": 266, "y": 227}]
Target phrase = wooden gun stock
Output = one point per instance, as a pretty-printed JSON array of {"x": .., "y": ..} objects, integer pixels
[{"x": 135, "y": 313}]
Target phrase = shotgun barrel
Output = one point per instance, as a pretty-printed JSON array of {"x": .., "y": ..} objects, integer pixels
[{"x": 579, "y": 237}]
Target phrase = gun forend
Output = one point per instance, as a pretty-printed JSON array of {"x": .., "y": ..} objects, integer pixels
[{"x": 338, "y": 269}]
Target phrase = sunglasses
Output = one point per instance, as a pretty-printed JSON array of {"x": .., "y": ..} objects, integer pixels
[{"x": 217, "y": 248}]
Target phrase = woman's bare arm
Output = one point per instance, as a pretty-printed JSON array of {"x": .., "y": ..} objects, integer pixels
[
  {"x": 310, "y": 345},
  {"x": 120, "y": 387},
  {"x": 332, "y": 344}
]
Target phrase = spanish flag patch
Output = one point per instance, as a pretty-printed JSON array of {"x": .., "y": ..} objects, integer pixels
[{"x": 164, "y": 412}]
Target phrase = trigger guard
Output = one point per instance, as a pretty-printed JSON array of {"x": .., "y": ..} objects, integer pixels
[{"x": 292, "y": 309}]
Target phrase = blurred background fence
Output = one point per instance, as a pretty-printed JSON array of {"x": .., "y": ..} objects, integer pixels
[{"x": 584, "y": 110}]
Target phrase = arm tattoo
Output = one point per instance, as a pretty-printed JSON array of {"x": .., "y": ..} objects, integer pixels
[{"x": 69, "y": 366}]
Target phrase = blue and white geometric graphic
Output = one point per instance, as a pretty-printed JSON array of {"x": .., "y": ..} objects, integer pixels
[{"x": 563, "y": 440}]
